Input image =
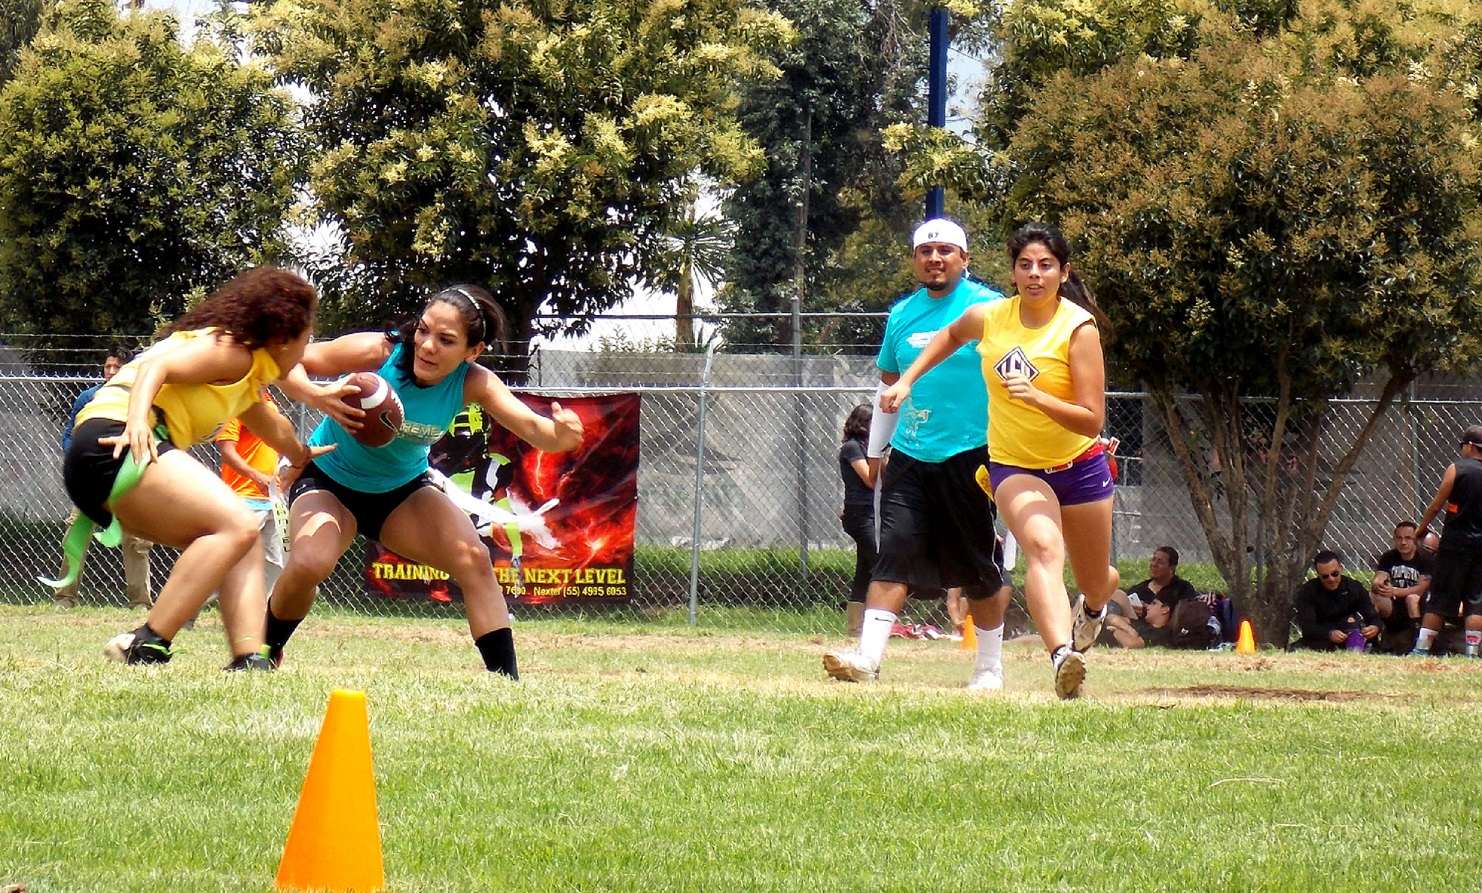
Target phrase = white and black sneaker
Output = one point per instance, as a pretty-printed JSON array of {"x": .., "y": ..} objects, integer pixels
[
  {"x": 1085, "y": 628},
  {"x": 1070, "y": 672},
  {"x": 142, "y": 646}
]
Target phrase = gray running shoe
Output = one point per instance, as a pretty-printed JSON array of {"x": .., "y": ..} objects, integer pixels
[{"x": 987, "y": 680}]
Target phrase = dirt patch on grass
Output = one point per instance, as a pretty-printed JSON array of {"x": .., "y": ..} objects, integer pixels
[{"x": 1237, "y": 692}]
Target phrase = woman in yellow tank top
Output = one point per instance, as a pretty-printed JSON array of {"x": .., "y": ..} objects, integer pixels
[
  {"x": 128, "y": 457},
  {"x": 1046, "y": 380}
]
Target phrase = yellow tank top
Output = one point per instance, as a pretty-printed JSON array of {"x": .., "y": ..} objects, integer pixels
[
  {"x": 1018, "y": 434},
  {"x": 193, "y": 412}
]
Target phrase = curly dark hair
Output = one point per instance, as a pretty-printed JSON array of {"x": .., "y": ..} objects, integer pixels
[
  {"x": 263, "y": 306},
  {"x": 483, "y": 321},
  {"x": 857, "y": 426}
]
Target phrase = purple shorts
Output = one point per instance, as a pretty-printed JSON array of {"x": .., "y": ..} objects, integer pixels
[{"x": 1086, "y": 480}]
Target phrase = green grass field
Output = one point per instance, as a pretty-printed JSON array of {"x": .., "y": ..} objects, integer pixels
[{"x": 681, "y": 760}]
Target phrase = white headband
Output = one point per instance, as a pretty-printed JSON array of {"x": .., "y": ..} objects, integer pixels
[{"x": 939, "y": 230}]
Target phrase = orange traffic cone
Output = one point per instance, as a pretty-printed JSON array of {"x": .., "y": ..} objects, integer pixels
[
  {"x": 1246, "y": 644},
  {"x": 335, "y": 841},
  {"x": 969, "y": 635}
]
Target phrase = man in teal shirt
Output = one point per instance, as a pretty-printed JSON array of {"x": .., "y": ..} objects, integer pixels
[{"x": 936, "y": 523}]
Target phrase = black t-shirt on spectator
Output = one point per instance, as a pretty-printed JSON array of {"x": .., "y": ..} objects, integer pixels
[
  {"x": 856, "y": 494},
  {"x": 1176, "y": 591}
]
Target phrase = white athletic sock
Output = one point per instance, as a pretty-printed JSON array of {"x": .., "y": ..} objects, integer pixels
[
  {"x": 1424, "y": 638},
  {"x": 990, "y": 649},
  {"x": 875, "y": 633}
]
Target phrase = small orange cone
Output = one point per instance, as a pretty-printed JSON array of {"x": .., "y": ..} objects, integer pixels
[
  {"x": 1246, "y": 644},
  {"x": 335, "y": 841},
  {"x": 969, "y": 635}
]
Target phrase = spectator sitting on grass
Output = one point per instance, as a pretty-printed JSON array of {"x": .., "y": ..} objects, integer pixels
[
  {"x": 1332, "y": 605},
  {"x": 1149, "y": 630},
  {"x": 1402, "y": 576},
  {"x": 1162, "y": 578}
]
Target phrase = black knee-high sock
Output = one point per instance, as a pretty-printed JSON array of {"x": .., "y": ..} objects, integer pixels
[
  {"x": 498, "y": 650},
  {"x": 277, "y": 632}
]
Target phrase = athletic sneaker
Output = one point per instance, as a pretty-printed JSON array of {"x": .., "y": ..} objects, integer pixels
[
  {"x": 258, "y": 660},
  {"x": 130, "y": 648},
  {"x": 987, "y": 680},
  {"x": 1084, "y": 629},
  {"x": 274, "y": 654},
  {"x": 1418, "y": 652},
  {"x": 850, "y": 666},
  {"x": 1070, "y": 671}
]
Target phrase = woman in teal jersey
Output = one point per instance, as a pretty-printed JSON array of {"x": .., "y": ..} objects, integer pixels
[{"x": 385, "y": 492}]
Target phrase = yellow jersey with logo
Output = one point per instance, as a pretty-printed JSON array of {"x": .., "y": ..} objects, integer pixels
[
  {"x": 194, "y": 413},
  {"x": 1019, "y": 434}
]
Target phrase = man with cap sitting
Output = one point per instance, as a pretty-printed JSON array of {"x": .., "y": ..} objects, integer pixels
[
  {"x": 1457, "y": 582},
  {"x": 1151, "y": 630}
]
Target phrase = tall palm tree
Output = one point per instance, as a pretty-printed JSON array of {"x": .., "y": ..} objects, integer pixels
[{"x": 698, "y": 244}]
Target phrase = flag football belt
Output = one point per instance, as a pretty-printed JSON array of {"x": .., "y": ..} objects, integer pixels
[
  {"x": 1091, "y": 452},
  {"x": 74, "y": 544}
]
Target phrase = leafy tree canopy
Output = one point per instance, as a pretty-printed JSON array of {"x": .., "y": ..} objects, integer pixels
[
  {"x": 827, "y": 215},
  {"x": 1275, "y": 213},
  {"x": 19, "y": 20},
  {"x": 540, "y": 148},
  {"x": 133, "y": 172}
]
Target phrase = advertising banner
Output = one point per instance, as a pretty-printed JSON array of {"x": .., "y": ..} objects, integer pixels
[{"x": 558, "y": 526}]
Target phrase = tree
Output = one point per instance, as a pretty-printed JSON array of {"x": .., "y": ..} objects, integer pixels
[
  {"x": 1298, "y": 210},
  {"x": 133, "y": 173},
  {"x": 540, "y": 148},
  {"x": 855, "y": 69},
  {"x": 699, "y": 243},
  {"x": 19, "y": 20}
]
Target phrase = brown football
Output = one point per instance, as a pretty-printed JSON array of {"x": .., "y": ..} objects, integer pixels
[{"x": 382, "y": 405}]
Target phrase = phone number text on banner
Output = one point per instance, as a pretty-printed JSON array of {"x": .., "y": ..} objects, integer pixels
[{"x": 559, "y": 526}]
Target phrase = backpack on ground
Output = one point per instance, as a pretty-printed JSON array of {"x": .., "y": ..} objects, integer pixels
[{"x": 1193, "y": 625}]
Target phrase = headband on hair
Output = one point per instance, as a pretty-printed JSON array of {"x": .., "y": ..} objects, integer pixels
[{"x": 478, "y": 311}]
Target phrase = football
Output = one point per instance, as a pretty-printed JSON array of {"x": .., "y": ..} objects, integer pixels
[{"x": 382, "y": 405}]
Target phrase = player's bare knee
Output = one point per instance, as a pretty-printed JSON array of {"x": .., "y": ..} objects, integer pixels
[
  {"x": 308, "y": 567},
  {"x": 239, "y": 533},
  {"x": 1043, "y": 549},
  {"x": 470, "y": 561}
]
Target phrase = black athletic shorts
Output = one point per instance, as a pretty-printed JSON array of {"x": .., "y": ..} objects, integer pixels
[
  {"x": 1457, "y": 582},
  {"x": 89, "y": 469},
  {"x": 370, "y": 510},
  {"x": 936, "y": 526}
]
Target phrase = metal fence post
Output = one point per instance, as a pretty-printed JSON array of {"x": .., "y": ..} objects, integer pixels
[
  {"x": 801, "y": 430},
  {"x": 699, "y": 484}
]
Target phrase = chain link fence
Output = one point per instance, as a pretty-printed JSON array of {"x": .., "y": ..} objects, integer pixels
[{"x": 739, "y": 488}]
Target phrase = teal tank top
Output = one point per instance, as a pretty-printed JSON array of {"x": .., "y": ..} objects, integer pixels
[{"x": 427, "y": 412}]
